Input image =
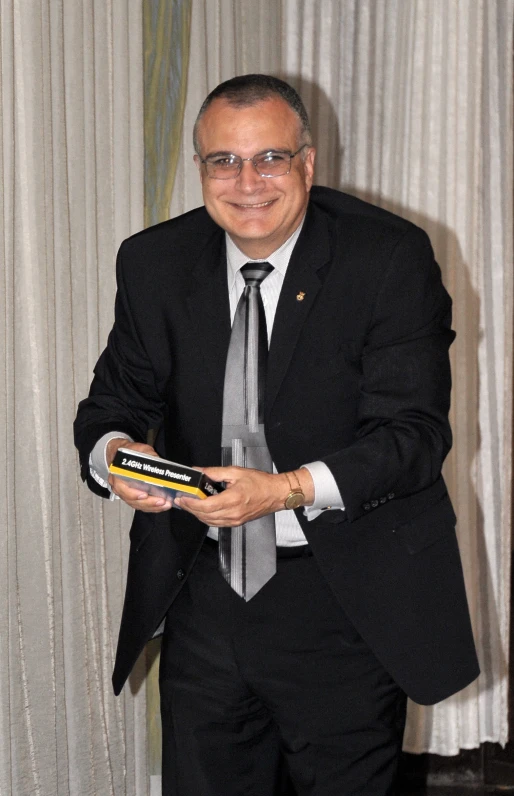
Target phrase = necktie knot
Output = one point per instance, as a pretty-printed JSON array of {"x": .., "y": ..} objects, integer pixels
[{"x": 255, "y": 273}]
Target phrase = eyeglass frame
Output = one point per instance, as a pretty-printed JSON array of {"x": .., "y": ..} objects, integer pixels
[{"x": 239, "y": 160}]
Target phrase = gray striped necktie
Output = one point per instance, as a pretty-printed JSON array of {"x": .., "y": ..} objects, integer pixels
[{"x": 247, "y": 553}]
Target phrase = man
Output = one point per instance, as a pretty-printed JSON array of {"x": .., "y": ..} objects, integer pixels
[{"x": 310, "y": 670}]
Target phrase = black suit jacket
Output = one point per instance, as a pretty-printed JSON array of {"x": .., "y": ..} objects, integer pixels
[{"x": 358, "y": 377}]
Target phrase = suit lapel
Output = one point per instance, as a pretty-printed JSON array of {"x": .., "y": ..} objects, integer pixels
[
  {"x": 209, "y": 308},
  {"x": 301, "y": 286}
]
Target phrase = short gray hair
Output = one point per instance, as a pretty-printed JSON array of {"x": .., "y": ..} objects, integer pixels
[{"x": 246, "y": 90}]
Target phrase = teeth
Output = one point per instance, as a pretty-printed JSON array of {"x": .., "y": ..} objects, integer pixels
[{"x": 263, "y": 204}]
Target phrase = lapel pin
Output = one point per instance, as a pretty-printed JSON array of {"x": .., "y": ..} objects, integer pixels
[{"x": 300, "y": 296}]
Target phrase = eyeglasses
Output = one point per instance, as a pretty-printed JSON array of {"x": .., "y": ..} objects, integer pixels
[{"x": 273, "y": 163}]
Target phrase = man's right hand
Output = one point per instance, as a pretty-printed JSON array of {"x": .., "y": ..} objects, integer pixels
[{"x": 136, "y": 498}]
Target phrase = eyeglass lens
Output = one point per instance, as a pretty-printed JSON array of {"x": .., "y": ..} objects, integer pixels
[{"x": 269, "y": 164}]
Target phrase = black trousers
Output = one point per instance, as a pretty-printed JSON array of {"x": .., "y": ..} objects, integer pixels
[{"x": 276, "y": 696}]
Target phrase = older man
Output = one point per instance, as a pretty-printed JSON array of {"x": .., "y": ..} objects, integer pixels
[{"x": 324, "y": 584}]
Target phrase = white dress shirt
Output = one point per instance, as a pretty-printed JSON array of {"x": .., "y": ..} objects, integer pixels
[{"x": 288, "y": 529}]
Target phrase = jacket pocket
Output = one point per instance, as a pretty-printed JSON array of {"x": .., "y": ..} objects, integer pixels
[{"x": 425, "y": 529}]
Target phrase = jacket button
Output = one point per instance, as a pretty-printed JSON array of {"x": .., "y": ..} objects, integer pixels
[
  {"x": 181, "y": 574},
  {"x": 374, "y": 503},
  {"x": 390, "y": 496},
  {"x": 383, "y": 500},
  {"x": 366, "y": 506}
]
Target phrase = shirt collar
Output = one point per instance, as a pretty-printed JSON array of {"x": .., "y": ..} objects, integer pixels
[{"x": 279, "y": 259}]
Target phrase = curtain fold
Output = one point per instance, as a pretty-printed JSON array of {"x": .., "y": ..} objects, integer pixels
[
  {"x": 71, "y": 157},
  {"x": 166, "y": 46},
  {"x": 412, "y": 109}
]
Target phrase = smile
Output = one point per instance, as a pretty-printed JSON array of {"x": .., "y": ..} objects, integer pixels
[{"x": 255, "y": 206}]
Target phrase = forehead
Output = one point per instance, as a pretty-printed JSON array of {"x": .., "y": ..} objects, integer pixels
[{"x": 268, "y": 124}]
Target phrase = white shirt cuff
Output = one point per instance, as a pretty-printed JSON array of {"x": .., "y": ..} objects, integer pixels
[
  {"x": 326, "y": 492},
  {"x": 98, "y": 460}
]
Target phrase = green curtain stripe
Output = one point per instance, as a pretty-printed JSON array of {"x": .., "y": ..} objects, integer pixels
[{"x": 166, "y": 36}]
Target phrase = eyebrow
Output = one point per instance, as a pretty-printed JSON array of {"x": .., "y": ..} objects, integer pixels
[{"x": 221, "y": 152}]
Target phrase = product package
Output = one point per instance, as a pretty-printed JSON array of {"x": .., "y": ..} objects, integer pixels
[{"x": 161, "y": 477}]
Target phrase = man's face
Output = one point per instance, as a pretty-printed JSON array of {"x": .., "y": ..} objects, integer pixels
[{"x": 259, "y": 213}]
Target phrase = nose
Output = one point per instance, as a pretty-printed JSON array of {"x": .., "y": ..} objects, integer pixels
[{"x": 248, "y": 179}]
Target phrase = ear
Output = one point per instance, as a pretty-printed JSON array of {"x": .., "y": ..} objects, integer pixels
[
  {"x": 308, "y": 165},
  {"x": 198, "y": 164}
]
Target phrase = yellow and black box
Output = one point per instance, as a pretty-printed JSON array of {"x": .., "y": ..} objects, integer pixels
[{"x": 161, "y": 477}]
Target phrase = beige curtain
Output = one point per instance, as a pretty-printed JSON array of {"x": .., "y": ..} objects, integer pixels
[
  {"x": 71, "y": 167},
  {"x": 412, "y": 109}
]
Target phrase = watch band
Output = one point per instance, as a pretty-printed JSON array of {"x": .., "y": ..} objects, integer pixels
[{"x": 296, "y": 497}]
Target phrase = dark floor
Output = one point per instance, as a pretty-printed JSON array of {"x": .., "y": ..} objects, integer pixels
[
  {"x": 487, "y": 771},
  {"x": 460, "y": 790}
]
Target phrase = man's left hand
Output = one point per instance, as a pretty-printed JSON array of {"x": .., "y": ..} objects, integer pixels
[{"x": 249, "y": 494}]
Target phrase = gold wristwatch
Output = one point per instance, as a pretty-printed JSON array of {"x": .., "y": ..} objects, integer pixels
[{"x": 295, "y": 498}]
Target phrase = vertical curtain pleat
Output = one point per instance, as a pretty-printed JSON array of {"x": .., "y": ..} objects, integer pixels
[
  {"x": 71, "y": 162},
  {"x": 412, "y": 109},
  {"x": 166, "y": 47}
]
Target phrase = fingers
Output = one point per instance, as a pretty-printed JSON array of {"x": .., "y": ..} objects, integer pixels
[
  {"x": 119, "y": 442},
  {"x": 134, "y": 497},
  {"x": 137, "y": 498},
  {"x": 227, "y": 474},
  {"x": 223, "y": 510},
  {"x": 249, "y": 494}
]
